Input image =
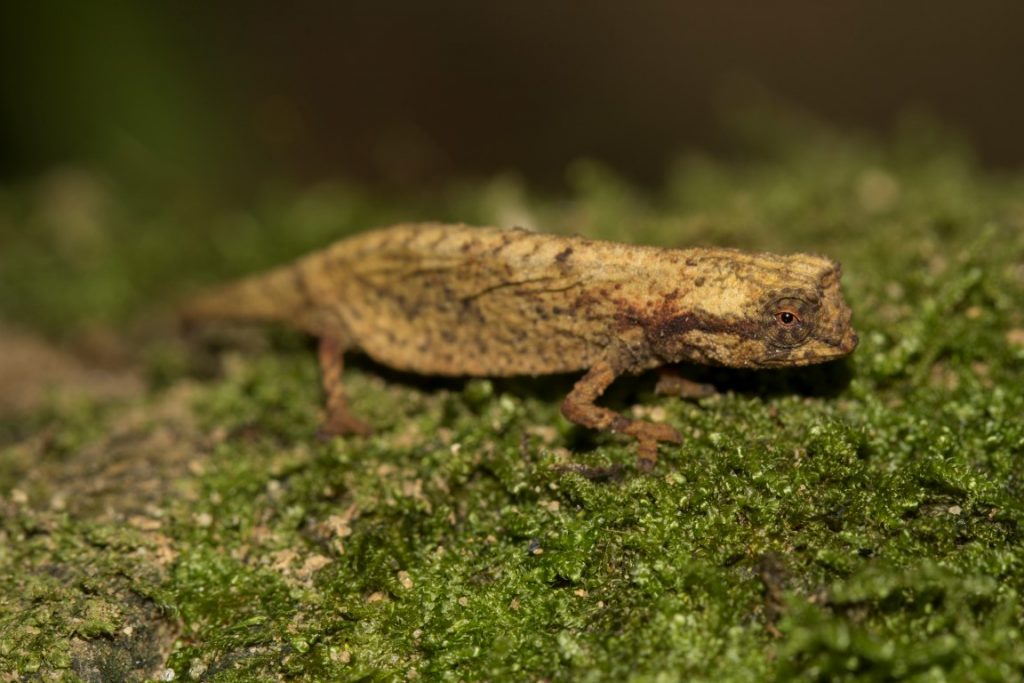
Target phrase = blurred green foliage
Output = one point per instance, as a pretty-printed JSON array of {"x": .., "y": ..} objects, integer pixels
[
  {"x": 110, "y": 84},
  {"x": 806, "y": 528}
]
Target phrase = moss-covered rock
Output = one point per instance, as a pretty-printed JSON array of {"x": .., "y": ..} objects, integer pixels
[{"x": 858, "y": 520}]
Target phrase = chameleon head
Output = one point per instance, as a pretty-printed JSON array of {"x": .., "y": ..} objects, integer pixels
[
  {"x": 768, "y": 311},
  {"x": 806, "y": 325}
]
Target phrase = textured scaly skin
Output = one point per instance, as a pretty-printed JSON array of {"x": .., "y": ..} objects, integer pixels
[{"x": 456, "y": 300}]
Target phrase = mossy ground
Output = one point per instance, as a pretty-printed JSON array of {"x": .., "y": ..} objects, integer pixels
[{"x": 862, "y": 519}]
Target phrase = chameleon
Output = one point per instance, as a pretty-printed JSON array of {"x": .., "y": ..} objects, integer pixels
[{"x": 454, "y": 300}]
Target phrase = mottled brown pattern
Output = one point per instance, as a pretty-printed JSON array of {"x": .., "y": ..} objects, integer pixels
[{"x": 456, "y": 300}]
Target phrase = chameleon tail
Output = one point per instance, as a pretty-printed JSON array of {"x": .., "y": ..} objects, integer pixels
[{"x": 272, "y": 297}]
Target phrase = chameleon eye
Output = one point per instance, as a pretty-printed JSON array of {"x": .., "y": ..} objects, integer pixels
[{"x": 787, "y": 318}]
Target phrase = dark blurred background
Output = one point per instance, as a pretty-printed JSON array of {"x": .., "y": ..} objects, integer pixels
[{"x": 406, "y": 93}]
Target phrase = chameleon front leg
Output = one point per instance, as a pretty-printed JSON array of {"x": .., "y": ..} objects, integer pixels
[
  {"x": 339, "y": 419},
  {"x": 579, "y": 407},
  {"x": 671, "y": 383}
]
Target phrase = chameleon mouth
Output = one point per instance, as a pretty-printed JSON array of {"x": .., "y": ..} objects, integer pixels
[
  {"x": 839, "y": 347},
  {"x": 847, "y": 344},
  {"x": 827, "y": 350}
]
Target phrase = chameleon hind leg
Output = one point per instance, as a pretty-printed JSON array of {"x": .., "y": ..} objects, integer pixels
[
  {"x": 579, "y": 407},
  {"x": 338, "y": 420}
]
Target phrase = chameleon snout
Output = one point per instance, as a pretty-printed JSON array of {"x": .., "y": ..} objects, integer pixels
[{"x": 850, "y": 343}]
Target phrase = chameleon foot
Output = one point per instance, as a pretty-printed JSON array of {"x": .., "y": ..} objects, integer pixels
[
  {"x": 579, "y": 407},
  {"x": 339, "y": 420},
  {"x": 592, "y": 473},
  {"x": 346, "y": 425},
  {"x": 648, "y": 434}
]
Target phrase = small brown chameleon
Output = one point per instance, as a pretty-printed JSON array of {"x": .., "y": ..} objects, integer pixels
[{"x": 462, "y": 301}]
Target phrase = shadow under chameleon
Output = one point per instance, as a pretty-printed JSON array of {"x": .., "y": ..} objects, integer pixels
[{"x": 826, "y": 380}]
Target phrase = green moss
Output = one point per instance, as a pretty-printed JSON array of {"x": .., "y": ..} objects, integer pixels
[
  {"x": 861, "y": 520},
  {"x": 63, "y": 582}
]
